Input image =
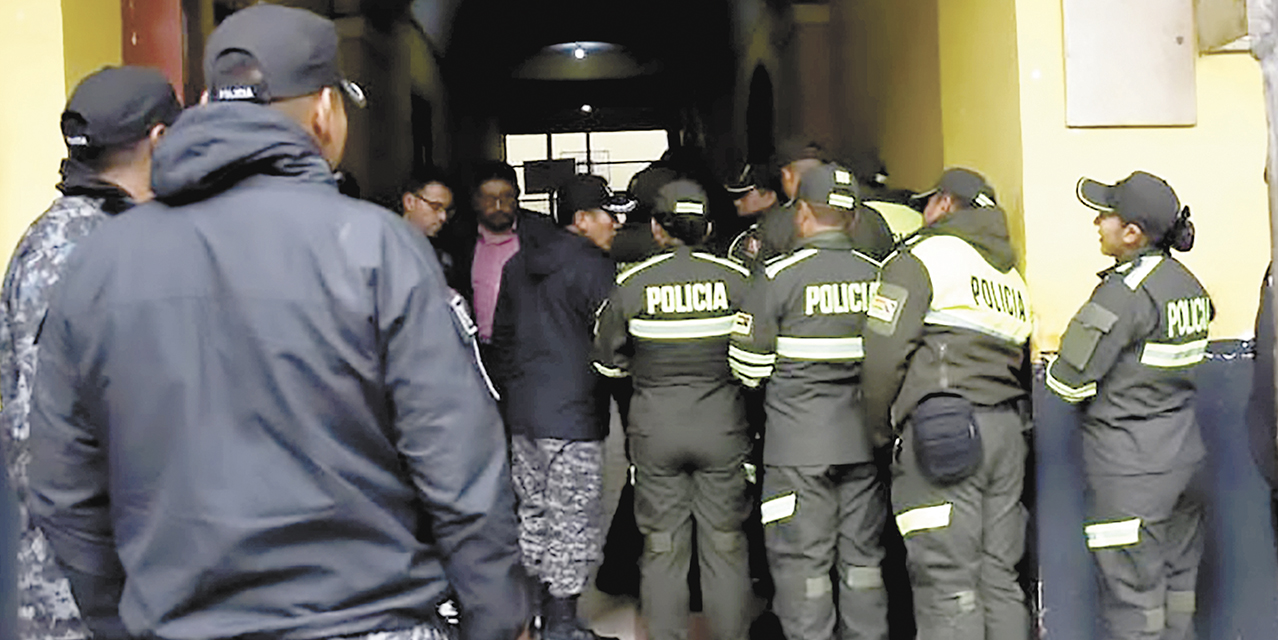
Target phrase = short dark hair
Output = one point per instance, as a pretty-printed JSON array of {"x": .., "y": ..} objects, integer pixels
[
  {"x": 423, "y": 176},
  {"x": 486, "y": 170},
  {"x": 101, "y": 159}
]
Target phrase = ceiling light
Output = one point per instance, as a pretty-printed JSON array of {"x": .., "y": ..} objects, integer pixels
[
  {"x": 585, "y": 108},
  {"x": 579, "y": 53}
]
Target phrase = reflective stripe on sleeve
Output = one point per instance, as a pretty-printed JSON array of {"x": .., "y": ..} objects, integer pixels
[
  {"x": 611, "y": 372},
  {"x": 681, "y": 329},
  {"x": 923, "y": 518},
  {"x": 750, "y": 357},
  {"x": 1170, "y": 356},
  {"x": 1067, "y": 393},
  {"x": 1104, "y": 535},
  {"x": 820, "y": 348},
  {"x": 777, "y": 508}
]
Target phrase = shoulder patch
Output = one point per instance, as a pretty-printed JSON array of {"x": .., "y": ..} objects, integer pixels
[
  {"x": 721, "y": 261},
  {"x": 885, "y": 308},
  {"x": 777, "y": 266},
  {"x": 657, "y": 259}
]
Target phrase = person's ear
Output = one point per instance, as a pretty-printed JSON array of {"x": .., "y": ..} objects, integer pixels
[
  {"x": 154, "y": 135},
  {"x": 328, "y": 124},
  {"x": 580, "y": 218},
  {"x": 406, "y": 201},
  {"x": 1132, "y": 234}
]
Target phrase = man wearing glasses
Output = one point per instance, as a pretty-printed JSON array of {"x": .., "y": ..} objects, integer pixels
[{"x": 427, "y": 202}]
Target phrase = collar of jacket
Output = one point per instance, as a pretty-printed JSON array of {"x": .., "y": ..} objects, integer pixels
[
  {"x": 832, "y": 239},
  {"x": 985, "y": 228},
  {"x": 1122, "y": 267},
  {"x": 213, "y": 147},
  {"x": 79, "y": 180}
]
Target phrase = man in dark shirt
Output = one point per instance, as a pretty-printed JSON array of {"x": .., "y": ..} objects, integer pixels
[{"x": 555, "y": 409}]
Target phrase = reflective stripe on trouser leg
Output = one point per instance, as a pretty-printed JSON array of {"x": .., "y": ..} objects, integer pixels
[
  {"x": 801, "y": 550},
  {"x": 574, "y": 487},
  {"x": 962, "y": 569},
  {"x": 1138, "y": 539}
]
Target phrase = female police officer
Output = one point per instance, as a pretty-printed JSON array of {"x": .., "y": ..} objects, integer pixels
[{"x": 1129, "y": 356}]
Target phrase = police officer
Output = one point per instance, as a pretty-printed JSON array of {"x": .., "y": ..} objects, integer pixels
[
  {"x": 111, "y": 125},
  {"x": 667, "y": 325},
  {"x": 824, "y": 502},
  {"x": 756, "y": 193},
  {"x": 1129, "y": 357},
  {"x": 946, "y": 366}
]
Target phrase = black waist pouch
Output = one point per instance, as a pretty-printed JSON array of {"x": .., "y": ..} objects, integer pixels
[{"x": 947, "y": 444}]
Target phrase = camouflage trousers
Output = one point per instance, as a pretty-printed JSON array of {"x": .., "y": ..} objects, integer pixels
[
  {"x": 559, "y": 484},
  {"x": 46, "y": 609},
  {"x": 428, "y": 631}
]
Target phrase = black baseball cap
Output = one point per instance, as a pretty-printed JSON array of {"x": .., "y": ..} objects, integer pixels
[
  {"x": 117, "y": 105},
  {"x": 1142, "y": 199},
  {"x": 269, "y": 52},
  {"x": 831, "y": 185},
  {"x": 753, "y": 176},
  {"x": 682, "y": 197},
  {"x": 583, "y": 192},
  {"x": 964, "y": 184}
]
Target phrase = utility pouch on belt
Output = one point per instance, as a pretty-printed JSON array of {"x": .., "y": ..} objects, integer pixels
[{"x": 947, "y": 444}]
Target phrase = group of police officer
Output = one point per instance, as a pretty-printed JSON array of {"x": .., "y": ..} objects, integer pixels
[{"x": 918, "y": 365}]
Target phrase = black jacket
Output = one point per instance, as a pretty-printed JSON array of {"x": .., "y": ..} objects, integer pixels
[
  {"x": 255, "y": 401},
  {"x": 542, "y": 335}
]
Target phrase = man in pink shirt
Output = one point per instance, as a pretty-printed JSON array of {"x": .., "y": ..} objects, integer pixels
[{"x": 500, "y": 225}]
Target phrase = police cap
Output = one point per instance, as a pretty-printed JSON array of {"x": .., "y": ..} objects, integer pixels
[
  {"x": 681, "y": 197},
  {"x": 968, "y": 186},
  {"x": 117, "y": 105},
  {"x": 1142, "y": 199},
  {"x": 269, "y": 52},
  {"x": 831, "y": 185}
]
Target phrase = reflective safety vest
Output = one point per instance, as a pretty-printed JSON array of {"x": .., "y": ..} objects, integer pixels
[{"x": 969, "y": 293}]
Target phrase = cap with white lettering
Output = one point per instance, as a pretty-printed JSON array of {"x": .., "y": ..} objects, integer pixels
[
  {"x": 117, "y": 105},
  {"x": 269, "y": 52},
  {"x": 830, "y": 185},
  {"x": 682, "y": 197}
]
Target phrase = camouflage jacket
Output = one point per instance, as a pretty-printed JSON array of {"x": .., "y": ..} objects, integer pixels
[{"x": 46, "y": 610}]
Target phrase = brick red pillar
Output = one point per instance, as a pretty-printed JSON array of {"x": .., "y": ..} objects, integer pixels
[{"x": 153, "y": 34}]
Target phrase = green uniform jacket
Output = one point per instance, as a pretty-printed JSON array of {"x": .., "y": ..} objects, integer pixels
[
  {"x": 1129, "y": 356},
  {"x": 801, "y": 328},
  {"x": 951, "y": 315},
  {"x": 666, "y": 325}
]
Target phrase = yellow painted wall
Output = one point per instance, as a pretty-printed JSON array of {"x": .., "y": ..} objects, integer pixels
[
  {"x": 1215, "y": 167},
  {"x": 92, "y": 39},
  {"x": 980, "y": 102},
  {"x": 30, "y": 142},
  {"x": 890, "y": 65}
]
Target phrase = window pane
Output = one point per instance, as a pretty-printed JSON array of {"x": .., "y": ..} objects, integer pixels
[
  {"x": 562, "y": 143},
  {"x": 620, "y": 174},
  {"x": 525, "y": 147},
  {"x": 537, "y": 202},
  {"x": 630, "y": 145}
]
